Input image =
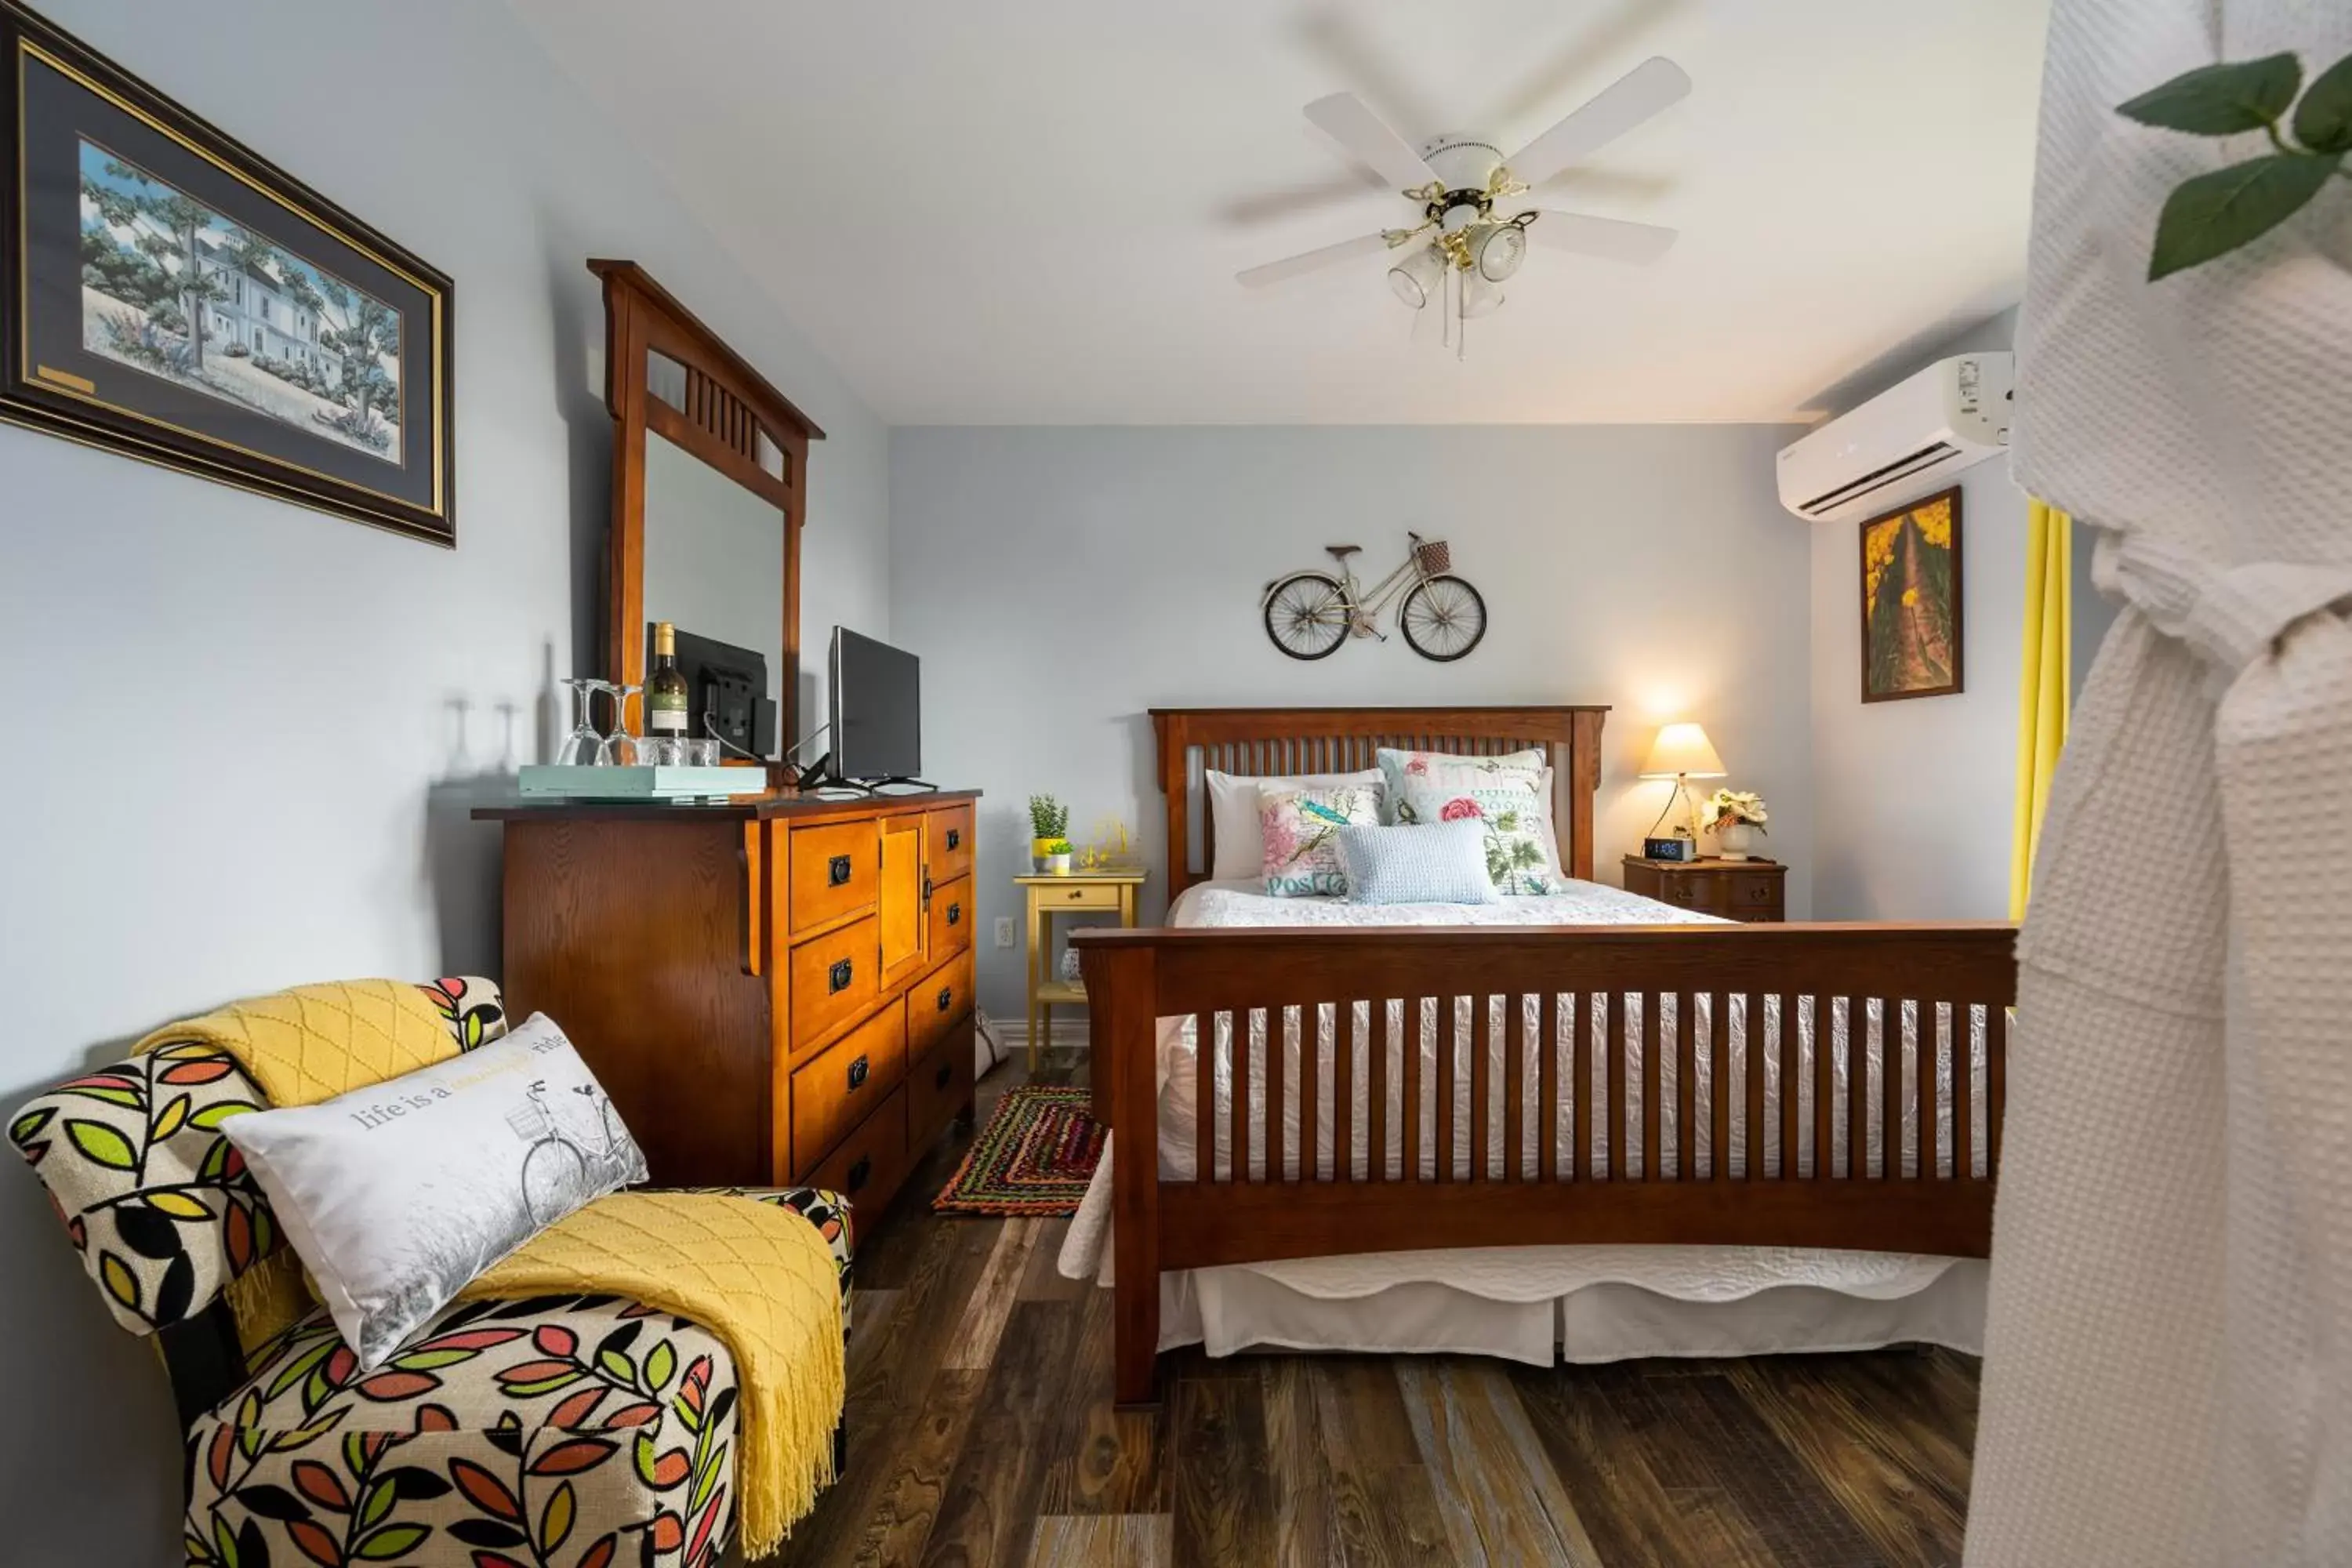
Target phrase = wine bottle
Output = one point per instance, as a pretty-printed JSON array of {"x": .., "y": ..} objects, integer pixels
[{"x": 666, "y": 697}]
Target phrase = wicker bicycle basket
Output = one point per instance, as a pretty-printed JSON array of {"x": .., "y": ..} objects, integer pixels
[
  {"x": 1433, "y": 556},
  {"x": 530, "y": 1121}
]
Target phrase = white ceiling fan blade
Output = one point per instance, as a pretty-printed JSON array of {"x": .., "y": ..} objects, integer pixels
[
  {"x": 1650, "y": 87},
  {"x": 1610, "y": 238},
  {"x": 1344, "y": 119},
  {"x": 1310, "y": 261}
]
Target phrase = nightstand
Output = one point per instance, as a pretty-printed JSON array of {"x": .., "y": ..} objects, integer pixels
[
  {"x": 1749, "y": 890},
  {"x": 1075, "y": 892}
]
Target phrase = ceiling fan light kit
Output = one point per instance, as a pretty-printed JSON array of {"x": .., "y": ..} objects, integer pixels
[
  {"x": 1418, "y": 276},
  {"x": 1457, "y": 181}
]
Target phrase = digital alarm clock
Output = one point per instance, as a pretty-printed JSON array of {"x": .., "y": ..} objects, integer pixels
[{"x": 1670, "y": 848}]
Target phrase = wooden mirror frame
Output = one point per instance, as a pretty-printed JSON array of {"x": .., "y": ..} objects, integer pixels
[{"x": 728, "y": 406}]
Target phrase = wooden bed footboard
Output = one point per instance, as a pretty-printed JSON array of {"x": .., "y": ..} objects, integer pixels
[{"x": 1371, "y": 1090}]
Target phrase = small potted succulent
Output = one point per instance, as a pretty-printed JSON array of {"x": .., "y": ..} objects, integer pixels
[
  {"x": 1049, "y": 822},
  {"x": 1738, "y": 817},
  {"x": 1057, "y": 857}
]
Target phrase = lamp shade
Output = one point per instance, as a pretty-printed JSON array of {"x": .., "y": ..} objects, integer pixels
[{"x": 1683, "y": 751}]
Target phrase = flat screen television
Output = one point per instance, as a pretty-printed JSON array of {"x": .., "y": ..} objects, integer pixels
[{"x": 877, "y": 710}]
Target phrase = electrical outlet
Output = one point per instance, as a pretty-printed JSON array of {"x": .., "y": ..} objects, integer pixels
[{"x": 1005, "y": 931}]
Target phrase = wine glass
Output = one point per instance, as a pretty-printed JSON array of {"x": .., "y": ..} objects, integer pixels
[
  {"x": 619, "y": 749},
  {"x": 580, "y": 747}
]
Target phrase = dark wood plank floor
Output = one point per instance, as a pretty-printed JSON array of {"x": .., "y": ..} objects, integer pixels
[{"x": 981, "y": 1432}]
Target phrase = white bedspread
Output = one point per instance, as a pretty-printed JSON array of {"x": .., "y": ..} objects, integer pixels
[{"x": 1516, "y": 1275}]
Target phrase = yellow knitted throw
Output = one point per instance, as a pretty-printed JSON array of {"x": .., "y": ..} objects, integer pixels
[{"x": 758, "y": 1277}]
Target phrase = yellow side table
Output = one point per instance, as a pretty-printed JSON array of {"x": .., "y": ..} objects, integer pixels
[{"x": 1051, "y": 895}]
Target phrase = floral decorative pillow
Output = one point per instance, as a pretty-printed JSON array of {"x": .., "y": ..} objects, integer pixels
[
  {"x": 1517, "y": 828},
  {"x": 1447, "y": 768},
  {"x": 1300, "y": 830}
]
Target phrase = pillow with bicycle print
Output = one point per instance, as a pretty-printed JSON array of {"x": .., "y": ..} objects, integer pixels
[
  {"x": 1517, "y": 829},
  {"x": 396, "y": 1196},
  {"x": 1300, "y": 830}
]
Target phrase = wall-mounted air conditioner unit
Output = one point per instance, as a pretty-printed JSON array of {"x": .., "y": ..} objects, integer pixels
[{"x": 1904, "y": 443}]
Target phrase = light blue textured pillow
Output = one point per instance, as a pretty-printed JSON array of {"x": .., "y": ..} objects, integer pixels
[{"x": 1439, "y": 863}]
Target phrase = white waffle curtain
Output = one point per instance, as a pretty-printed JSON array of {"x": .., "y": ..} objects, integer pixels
[{"x": 2168, "y": 1356}]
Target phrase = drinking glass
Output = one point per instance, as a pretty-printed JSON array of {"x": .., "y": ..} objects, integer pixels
[
  {"x": 661, "y": 751},
  {"x": 702, "y": 754},
  {"x": 580, "y": 747},
  {"x": 620, "y": 749}
]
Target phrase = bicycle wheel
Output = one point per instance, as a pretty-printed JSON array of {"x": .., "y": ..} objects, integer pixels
[
  {"x": 554, "y": 1174},
  {"x": 1307, "y": 615},
  {"x": 1442, "y": 618}
]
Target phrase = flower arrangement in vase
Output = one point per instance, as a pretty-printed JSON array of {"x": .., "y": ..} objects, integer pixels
[
  {"x": 1738, "y": 817},
  {"x": 1049, "y": 824}
]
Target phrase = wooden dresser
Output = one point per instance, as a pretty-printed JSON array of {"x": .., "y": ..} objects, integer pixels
[
  {"x": 1750, "y": 890},
  {"x": 772, "y": 992}
]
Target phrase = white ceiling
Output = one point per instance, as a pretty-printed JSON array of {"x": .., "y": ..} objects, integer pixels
[{"x": 1031, "y": 210}]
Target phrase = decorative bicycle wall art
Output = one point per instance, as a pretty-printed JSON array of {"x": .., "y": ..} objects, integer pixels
[{"x": 1309, "y": 613}]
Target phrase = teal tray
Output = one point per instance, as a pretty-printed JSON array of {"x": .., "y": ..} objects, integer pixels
[{"x": 641, "y": 783}]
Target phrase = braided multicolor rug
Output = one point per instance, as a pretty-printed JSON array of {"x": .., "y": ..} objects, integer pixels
[{"x": 1036, "y": 1156}]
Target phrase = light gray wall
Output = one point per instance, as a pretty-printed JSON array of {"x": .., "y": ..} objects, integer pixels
[
  {"x": 1916, "y": 798},
  {"x": 1058, "y": 582},
  {"x": 250, "y": 733}
]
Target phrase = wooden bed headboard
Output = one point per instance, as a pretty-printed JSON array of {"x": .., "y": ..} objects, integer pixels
[{"x": 1258, "y": 741}]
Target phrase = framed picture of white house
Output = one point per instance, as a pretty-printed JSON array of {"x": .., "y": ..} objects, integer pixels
[{"x": 172, "y": 295}]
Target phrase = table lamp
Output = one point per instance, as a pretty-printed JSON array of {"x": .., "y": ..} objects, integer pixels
[{"x": 1681, "y": 752}]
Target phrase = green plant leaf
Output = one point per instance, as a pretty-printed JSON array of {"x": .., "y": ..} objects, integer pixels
[
  {"x": 2323, "y": 120},
  {"x": 2214, "y": 214},
  {"x": 391, "y": 1540},
  {"x": 2221, "y": 100},
  {"x": 102, "y": 1145}
]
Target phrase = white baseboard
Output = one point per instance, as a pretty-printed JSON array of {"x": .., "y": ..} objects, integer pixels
[{"x": 1062, "y": 1032}]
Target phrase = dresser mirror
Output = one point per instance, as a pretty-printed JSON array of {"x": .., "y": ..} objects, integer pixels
[
  {"x": 708, "y": 463},
  {"x": 714, "y": 565}
]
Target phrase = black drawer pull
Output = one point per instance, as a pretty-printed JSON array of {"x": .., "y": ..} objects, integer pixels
[
  {"x": 947, "y": 1071},
  {"x": 955, "y": 914},
  {"x": 836, "y": 871},
  {"x": 955, "y": 840},
  {"x": 837, "y": 977},
  {"x": 857, "y": 1071},
  {"x": 947, "y": 997},
  {"x": 858, "y": 1173}
]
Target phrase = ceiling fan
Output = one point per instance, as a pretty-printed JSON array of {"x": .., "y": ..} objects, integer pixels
[{"x": 1456, "y": 182}]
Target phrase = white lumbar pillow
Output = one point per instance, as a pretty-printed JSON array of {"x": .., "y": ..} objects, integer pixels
[
  {"x": 1233, "y": 815},
  {"x": 396, "y": 1196}
]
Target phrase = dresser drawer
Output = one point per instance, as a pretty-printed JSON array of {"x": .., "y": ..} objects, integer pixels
[
  {"x": 937, "y": 1002},
  {"x": 1752, "y": 895},
  {"x": 946, "y": 842},
  {"x": 939, "y": 1087},
  {"x": 835, "y": 869},
  {"x": 951, "y": 916},
  {"x": 1683, "y": 892},
  {"x": 834, "y": 977},
  {"x": 1078, "y": 896},
  {"x": 849, "y": 1079},
  {"x": 870, "y": 1162}
]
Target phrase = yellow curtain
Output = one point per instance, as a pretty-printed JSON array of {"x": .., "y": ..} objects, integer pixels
[{"x": 2045, "y": 687}]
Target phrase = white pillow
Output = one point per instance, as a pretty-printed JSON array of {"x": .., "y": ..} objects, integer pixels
[
  {"x": 396, "y": 1196},
  {"x": 1232, "y": 815}
]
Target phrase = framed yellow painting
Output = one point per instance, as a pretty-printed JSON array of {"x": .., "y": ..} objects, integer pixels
[{"x": 1911, "y": 601}]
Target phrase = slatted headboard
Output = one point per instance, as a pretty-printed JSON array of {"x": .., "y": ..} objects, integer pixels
[{"x": 1258, "y": 741}]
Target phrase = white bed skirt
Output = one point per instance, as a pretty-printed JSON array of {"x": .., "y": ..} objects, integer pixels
[{"x": 1230, "y": 1310}]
